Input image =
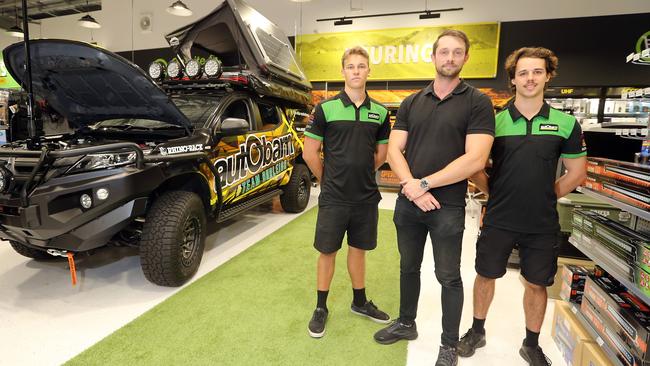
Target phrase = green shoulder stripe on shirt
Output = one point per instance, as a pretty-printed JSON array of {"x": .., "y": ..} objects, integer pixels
[
  {"x": 574, "y": 156},
  {"x": 504, "y": 125},
  {"x": 335, "y": 110},
  {"x": 314, "y": 136},
  {"x": 382, "y": 142}
]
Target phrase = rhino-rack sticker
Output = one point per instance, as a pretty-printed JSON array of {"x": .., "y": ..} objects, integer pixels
[
  {"x": 180, "y": 149},
  {"x": 237, "y": 166}
]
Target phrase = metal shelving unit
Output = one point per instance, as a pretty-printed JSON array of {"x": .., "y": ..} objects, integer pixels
[
  {"x": 616, "y": 203},
  {"x": 599, "y": 340},
  {"x": 611, "y": 269}
]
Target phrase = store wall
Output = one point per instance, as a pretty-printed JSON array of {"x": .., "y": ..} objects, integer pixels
[{"x": 121, "y": 31}]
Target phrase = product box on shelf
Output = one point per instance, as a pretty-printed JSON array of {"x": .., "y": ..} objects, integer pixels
[
  {"x": 609, "y": 336},
  {"x": 568, "y": 334},
  {"x": 625, "y": 243},
  {"x": 570, "y": 294},
  {"x": 623, "y": 313},
  {"x": 632, "y": 173},
  {"x": 633, "y": 195},
  {"x": 592, "y": 355},
  {"x": 566, "y": 205},
  {"x": 574, "y": 275}
]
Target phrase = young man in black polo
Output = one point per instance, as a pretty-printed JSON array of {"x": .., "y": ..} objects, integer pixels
[
  {"x": 446, "y": 131},
  {"x": 353, "y": 130},
  {"x": 530, "y": 138}
]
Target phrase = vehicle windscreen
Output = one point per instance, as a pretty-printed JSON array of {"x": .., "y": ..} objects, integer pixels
[{"x": 197, "y": 108}]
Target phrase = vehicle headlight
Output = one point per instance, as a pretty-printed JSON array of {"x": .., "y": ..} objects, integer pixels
[
  {"x": 192, "y": 68},
  {"x": 156, "y": 70},
  {"x": 173, "y": 69},
  {"x": 103, "y": 161},
  {"x": 212, "y": 67}
]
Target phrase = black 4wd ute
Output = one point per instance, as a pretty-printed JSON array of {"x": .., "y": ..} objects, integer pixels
[{"x": 146, "y": 165}]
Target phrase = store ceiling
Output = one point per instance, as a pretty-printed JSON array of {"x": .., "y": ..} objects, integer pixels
[{"x": 42, "y": 9}]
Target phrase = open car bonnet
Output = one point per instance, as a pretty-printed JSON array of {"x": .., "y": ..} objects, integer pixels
[{"x": 87, "y": 84}]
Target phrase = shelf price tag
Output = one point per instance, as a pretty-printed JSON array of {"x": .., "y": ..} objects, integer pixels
[
  {"x": 645, "y": 53},
  {"x": 639, "y": 93},
  {"x": 637, "y": 57},
  {"x": 646, "y": 91},
  {"x": 624, "y": 95}
]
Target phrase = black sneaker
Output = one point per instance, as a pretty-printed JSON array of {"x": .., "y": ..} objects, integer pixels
[
  {"x": 395, "y": 332},
  {"x": 534, "y": 355},
  {"x": 317, "y": 323},
  {"x": 370, "y": 310},
  {"x": 447, "y": 356},
  {"x": 470, "y": 342}
]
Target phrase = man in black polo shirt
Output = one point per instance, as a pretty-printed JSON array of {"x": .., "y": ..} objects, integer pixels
[
  {"x": 530, "y": 138},
  {"x": 353, "y": 130},
  {"x": 446, "y": 130}
]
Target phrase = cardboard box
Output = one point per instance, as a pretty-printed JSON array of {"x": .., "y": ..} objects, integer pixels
[
  {"x": 568, "y": 334},
  {"x": 592, "y": 355},
  {"x": 570, "y": 294},
  {"x": 574, "y": 276}
]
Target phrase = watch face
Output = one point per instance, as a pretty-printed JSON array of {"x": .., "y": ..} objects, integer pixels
[{"x": 424, "y": 183}]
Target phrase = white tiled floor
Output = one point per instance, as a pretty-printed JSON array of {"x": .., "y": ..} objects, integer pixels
[{"x": 46, "y": 321}]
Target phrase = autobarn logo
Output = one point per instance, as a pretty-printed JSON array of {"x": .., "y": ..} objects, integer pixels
[
  {"x": 253, "y": 156},
  {"x": 169, "y": 150}
]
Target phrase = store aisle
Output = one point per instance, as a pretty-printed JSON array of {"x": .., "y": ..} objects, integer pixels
[
  {"x": 46, "y": 321},
  {"x": 505, "y": 327}
]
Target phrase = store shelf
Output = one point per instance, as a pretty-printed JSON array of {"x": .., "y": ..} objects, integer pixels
[
  {"x": 623, "y": 206},
  {"x": 611, "y": 355},
  {"x": 611, "y": 269}
]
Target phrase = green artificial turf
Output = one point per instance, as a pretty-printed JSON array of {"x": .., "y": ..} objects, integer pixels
[{"x": 254, "y": 310}]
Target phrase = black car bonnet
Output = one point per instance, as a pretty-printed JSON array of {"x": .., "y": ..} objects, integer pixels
[{"x": 87, "y": 84}]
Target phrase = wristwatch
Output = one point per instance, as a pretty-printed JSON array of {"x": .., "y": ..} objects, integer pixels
[{"x": 424, "y": 183}]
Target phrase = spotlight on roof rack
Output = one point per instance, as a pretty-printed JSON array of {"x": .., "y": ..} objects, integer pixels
[
  {"x": 212, "y": 67},
  {"x": 192, "y": 68},
  {"x": 157, "y": 69},
  {"x": 173, "y": 69}
]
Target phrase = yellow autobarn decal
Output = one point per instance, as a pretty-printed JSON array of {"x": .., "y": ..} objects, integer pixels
[{"x": 398, "y": 54}]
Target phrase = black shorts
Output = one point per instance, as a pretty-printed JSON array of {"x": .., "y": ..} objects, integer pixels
[
  {"x": 360, "y": 222},
  {"x": 537, "y": 254}
]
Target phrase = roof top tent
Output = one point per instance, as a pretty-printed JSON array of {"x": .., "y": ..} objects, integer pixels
[{"x": 243, "y": 38}]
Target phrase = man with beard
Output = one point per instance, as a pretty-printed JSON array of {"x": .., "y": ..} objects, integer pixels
[
  {"x": 442, "y": 135},
  {"x": 530, "y": 138}
]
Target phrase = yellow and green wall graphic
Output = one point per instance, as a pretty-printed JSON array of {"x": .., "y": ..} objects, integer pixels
[{"x": 397, "y": 54}]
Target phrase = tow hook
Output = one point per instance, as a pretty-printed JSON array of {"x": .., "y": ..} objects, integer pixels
[{"x": 58, "y": 253}]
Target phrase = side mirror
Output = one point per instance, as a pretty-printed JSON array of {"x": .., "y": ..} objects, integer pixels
[{"x": 234, "y": 126}]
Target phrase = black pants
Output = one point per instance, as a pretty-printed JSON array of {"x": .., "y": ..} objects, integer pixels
[{"x": 445, "y": 226}]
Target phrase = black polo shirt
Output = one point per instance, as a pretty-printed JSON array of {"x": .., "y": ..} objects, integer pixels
[
  {"x": 350, "y": 136},
  {"x": 437, "y": 129},
  {"x": 525, "y": 154}
]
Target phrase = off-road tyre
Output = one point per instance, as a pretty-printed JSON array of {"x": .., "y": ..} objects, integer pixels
[
  {"x": 295, "y": 195},
  {"x": 173, "y": 238},
  {"x": 28, "y": 252}
]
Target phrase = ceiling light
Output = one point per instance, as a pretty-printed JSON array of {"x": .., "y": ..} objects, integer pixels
[
  {"x": 343, "y": 21},
  {"x": 429, "y": 15},
  {"x": 87, "y": 21},
  {"x": 179, "y": 8},
  {"x": 15, "y": 31},
  {"x": 424, "y": 14}
]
